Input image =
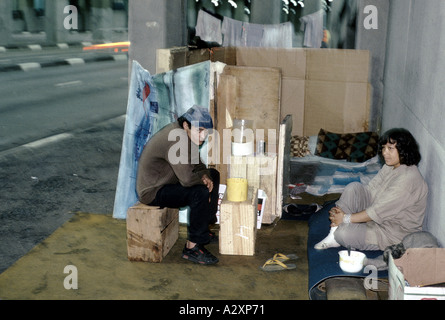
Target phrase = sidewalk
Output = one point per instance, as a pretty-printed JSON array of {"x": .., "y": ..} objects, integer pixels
[{"x": 99, "y": 56}]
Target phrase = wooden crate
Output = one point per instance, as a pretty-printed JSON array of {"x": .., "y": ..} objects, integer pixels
[
  {"x": 237, "y": 234},
  {"x": 151, "y": 232}
]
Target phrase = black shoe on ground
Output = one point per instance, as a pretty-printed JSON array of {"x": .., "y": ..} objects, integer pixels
[{"x": 199, "y": 254}]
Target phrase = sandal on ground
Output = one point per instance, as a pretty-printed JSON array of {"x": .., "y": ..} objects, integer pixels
[
  {"x": 276, "y": 265},
  {"x": 199, "y": 254},
  {"x": 284, "y": 257}
]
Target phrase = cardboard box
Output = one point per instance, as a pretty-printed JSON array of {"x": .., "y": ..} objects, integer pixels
[
  {"x": 300, "y": 69},
  {"x": 238, "y": 225},
  {"x": 291, "y": 62},
  {"x": 413, "y": 275},
  {"x": 338, "y": 65},
  {"x": 293, "y": 102},
  {"x": 318, "y": 84},
  {"x": 340, "y": 107}
]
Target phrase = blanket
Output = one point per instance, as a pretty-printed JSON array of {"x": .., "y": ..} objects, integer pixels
[{"x": 319, "y": 176}]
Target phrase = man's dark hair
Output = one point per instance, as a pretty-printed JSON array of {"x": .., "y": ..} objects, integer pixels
[
  {"x": 405, "y": 144},
  {"x": 181, "y": 121}
]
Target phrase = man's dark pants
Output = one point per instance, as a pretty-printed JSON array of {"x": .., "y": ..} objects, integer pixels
[{"x": 202, "y": 212}]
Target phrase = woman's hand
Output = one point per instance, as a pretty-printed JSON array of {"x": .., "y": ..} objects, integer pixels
[{"x": 336, "y": 216}]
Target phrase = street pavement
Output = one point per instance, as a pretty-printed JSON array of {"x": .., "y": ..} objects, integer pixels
[{"x": 44, "y": 181}]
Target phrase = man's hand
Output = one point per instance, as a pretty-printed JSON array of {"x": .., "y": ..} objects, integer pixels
[{"x": 208, "y": 182}]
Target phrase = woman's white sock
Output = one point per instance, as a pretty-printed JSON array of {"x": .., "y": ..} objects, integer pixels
[{"x": 328, "y": 242}]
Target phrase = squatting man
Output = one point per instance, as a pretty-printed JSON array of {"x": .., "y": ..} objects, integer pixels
[{"x": 164, "y": 181}]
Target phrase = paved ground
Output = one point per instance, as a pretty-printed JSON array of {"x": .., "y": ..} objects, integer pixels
[{"x": 42, "y": 187}]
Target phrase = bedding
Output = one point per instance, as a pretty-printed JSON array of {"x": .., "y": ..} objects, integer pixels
[
  {"x": 353, "y": 147},
  {"x": 323, "y": 264},
  {"x": 318, "y": 175}
]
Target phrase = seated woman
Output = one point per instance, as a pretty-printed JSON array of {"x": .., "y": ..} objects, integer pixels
[{"x": 391, "y": 206}]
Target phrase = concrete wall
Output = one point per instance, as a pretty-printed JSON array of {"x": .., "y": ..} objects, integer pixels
[
  {"x": 374, "y": 40},
  {"x": 414, "y": 92}
]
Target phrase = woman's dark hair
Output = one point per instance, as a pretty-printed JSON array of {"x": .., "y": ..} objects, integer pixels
[{"x": 405, "y": 143}]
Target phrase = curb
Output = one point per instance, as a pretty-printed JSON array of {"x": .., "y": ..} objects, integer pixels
[
  {"x": 28, "y": 66},
  {"x": 39, "y": 47}
]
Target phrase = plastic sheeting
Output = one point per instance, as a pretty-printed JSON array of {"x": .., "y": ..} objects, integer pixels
[{"x": 153, "y": 102}]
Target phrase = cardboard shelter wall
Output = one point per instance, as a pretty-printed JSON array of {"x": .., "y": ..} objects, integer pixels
[
  {"x": 414, "y": 95},
  {"x": 320, "y": 88}
]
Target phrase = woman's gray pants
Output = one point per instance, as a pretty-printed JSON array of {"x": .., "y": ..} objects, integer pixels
[{"x": 355, "y": 198}]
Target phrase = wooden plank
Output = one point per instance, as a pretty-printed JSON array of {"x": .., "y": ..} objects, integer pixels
[
  {"x": 283, "y": 162},
  {"x": 227, "y": 100},
  {"x": 237, "y": 233},
  {"x": 268, "y": 183}
]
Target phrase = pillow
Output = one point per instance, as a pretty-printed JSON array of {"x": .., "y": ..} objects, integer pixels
[
  {"x": 353, "y": 147},
  {"x": 299, "y": 146}
]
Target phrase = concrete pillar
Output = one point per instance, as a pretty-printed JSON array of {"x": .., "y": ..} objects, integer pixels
[
  {"x": 101, "y": 20},
  {"x": 5, "y": 22},
  {"x": 54, "y": 28},
  {"x": 265, "y": 12},
  {"x": 155, "y": 24},
  {"x": 374, "y": 40}
]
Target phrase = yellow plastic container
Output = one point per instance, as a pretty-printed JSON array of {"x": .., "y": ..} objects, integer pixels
[{"x": 236, "y": 189}]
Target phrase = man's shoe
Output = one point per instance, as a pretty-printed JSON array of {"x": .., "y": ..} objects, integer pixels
[
  {"x": 199, "y": 254},
  {"x": 213, "y": 237}
]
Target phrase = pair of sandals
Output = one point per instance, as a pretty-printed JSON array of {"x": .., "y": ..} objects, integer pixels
[{"x": 278, "y": 263}]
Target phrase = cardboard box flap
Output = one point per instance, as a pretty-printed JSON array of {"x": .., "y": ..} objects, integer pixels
[
  {"x": 423, "y": 266},
  {"x": 291, "y": 62},
  {"x": 338, "y": 65}
]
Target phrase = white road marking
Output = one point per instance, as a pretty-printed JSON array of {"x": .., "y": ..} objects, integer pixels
[
  {"x": 75, "y": 61},
  {"x": 28, "y": 66},
  {"x": 68, "y": 84},
  {"x": 46, "y": 141}
]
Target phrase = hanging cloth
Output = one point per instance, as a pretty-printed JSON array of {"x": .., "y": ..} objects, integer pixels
[
  {"x": 278, "y": 35},
  {"x": 252, "y": 34},
  {"x": 208, "y": 27},
  {"x": 312, "y": 25},
  {"x": 232, "y": 31}
]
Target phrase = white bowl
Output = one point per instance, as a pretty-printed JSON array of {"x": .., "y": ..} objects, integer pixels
[{"x": 351, "y": 263}]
